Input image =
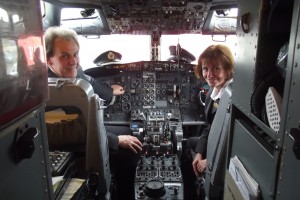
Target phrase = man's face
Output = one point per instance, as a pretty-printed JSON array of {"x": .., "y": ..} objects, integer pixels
[{"x": 64, "y": 62}]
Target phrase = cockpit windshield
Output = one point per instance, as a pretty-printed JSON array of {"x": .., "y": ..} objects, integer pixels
[{"x": 135, "y": 48}]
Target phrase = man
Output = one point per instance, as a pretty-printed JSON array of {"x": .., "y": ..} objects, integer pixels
[{"x": 62, "y": 50}]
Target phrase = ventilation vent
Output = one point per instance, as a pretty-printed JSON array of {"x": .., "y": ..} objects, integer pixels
[{"x": 273, "y": 107}]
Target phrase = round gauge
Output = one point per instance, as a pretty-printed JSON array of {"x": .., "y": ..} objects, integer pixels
[
  {"x": 126, "y": 107},
  {"x": 125, "y": 97},
  {"x": 151, "y": 79},
  {"x": 146, "y": 92},
  {"x": 138, "y": 90},
  {"x": 135, "y": 83},
  {"x": 151, "y": 68},
  {"x": 145, "y": 85},
  {"x": 182, "y": 97},
  {"x": 151, "y": 97},
  {"x": 151, "y": 91},
  {"x": 126, "y": 87},
  {"x": 137, "y": 98},
  {"x": 152, "y": 85},
  {"x": 117, "y": 106},
  {"x": 117, "y": 98}
]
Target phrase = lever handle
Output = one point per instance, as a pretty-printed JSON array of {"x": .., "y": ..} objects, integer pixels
[
  {"x": 295, "y": 134},
  {"x": 245, "y": 22}
]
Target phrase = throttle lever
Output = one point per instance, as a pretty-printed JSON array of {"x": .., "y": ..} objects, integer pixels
[{"x": 142, "y": 114}]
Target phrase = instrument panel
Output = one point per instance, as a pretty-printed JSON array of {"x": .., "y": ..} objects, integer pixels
[{"x": 162, "y": 85}]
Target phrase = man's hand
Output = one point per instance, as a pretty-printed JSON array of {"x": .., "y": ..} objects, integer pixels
[
  {"x": 199, "y": 165},
  {"x": 130, "y": 142},
  {"x": 117, "y": 89}
]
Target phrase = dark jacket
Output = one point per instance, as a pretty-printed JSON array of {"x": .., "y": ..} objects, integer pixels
[
  {"x": 210, "y": 112},
  {"x": 104, "y": 92}
]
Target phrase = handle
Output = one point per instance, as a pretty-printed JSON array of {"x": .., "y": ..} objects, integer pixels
[
  {"x": 295, "y": 134},
  {"x": 245, "y": 22}
]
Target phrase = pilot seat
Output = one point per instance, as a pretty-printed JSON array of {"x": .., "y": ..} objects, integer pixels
[{"x": 83, "y": 127}]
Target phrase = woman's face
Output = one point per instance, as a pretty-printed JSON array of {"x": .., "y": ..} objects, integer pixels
[{"x": 214, "y": 73}]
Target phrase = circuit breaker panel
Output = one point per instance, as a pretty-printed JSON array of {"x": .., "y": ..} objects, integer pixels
[{"x": 261, "y": 96}]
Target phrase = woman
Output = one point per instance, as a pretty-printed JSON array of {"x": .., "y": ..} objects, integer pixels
[{"x": 215, "y": 66}]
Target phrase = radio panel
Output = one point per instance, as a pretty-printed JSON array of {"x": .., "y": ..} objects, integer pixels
[{"x": 159, "y": 177}]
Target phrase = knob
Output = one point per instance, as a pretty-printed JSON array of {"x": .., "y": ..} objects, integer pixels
[
  {"x": 176, "y": 190},
  {"x": 155, "y": 189}
]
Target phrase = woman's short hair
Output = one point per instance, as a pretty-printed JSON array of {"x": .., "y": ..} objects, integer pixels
[
  {"x": 58, "y": 32},
  {"x": 216, "y": 53}
]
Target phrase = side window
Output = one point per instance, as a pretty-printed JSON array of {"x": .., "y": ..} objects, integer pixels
[
  {"x": 10, "y": 55},
  {"x": 23, "y": 72}
]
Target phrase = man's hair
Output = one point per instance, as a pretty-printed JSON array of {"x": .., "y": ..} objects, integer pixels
[
  {"x": 58, "y": 32},
  {"x": 216, "y": 53}
]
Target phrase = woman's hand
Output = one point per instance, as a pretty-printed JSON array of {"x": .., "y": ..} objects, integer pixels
[{"x": 199, "y": 164}]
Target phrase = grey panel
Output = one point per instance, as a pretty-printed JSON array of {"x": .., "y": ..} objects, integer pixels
[
  {"x": 245, "y": 58},
  {"x": 289, "y": 173},
  {"x": 257, "y": 159},
  {"x": 217, "y": 146},
  {"x": 256, "y": 56},
  {"x": 256, "y": 52},
  {"x": 97, "y": 153},
  {"x": 289, "y": 176},
  {"x": 292, "y": 87},
  {"x": 29, "y": 178}
]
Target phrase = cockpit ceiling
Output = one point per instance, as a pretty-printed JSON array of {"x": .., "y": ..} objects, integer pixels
[
  {"x": 76, "y": 2},
  {"x": 144, "y": 16},
  {"x": 148, "y": 16}
]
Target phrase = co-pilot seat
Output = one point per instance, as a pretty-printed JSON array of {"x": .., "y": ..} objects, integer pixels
[
  {"x": 217, "y": 147},
  {"x": 76, "y": 96}
]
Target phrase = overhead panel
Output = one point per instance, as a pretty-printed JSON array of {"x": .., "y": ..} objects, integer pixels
[{"x": 146, "y": 16}]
